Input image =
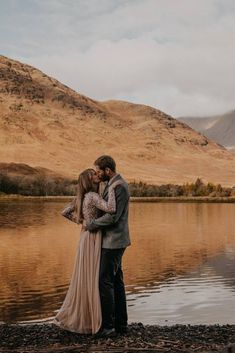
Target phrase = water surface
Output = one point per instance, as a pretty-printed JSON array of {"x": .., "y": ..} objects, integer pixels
[{"x": 179, "y": 269}]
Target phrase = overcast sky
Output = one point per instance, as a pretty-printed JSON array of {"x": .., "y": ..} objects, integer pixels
[{"x": 175, "y": 55}]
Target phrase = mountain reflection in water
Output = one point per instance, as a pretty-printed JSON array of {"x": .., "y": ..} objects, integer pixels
[{"x": 179, "y": 269}]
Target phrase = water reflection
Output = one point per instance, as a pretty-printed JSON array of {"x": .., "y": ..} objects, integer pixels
[{"x": 179, "y": 268}]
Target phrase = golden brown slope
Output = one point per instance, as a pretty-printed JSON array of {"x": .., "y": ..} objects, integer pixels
[
  {"x": 45, "y": 123},
  {"x": 24, "y": 170}
]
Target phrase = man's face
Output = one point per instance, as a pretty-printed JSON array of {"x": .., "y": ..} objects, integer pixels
[{"x": 102, "y": 174}]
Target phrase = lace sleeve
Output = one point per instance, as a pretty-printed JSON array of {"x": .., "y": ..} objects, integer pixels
[{"x": 107, "y": 206}]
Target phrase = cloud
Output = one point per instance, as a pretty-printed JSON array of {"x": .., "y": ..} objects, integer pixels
[{"x": 176, "y": 56}]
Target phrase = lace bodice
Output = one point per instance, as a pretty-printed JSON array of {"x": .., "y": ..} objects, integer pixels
[{"x": 93, "y": 202}]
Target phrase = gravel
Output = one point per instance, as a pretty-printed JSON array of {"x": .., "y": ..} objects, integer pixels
[{"x": 140, "y": 338}]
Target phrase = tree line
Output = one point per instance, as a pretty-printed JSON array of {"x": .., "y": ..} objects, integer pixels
[
  {"x": 197, "y": 188},
  {"x": 40, "y": 185}
]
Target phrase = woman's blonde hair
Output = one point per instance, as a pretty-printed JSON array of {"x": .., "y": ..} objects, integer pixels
[{"x": 85, "y": 184}]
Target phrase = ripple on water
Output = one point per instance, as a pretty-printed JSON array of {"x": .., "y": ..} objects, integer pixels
[{"x": 176, "y": 271}]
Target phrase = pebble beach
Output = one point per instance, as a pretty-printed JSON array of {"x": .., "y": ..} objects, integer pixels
[{"x": 140, "y": 338}]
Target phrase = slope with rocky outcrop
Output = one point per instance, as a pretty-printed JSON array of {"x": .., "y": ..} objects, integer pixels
[{"x": 45, "y": 123}]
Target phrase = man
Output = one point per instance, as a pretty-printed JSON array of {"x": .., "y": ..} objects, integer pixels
[{"x": 115, "y": 239}]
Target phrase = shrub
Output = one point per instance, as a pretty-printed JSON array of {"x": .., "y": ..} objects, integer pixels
[
  {"x": 41, "y": 185},
  {"x": 173, "y": 190}
]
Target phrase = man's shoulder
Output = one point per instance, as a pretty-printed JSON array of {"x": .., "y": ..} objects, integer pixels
[
  {"x": 120, "y": 177},
  {"x": 123, "y": 187},
  {"x": 123, "y": 182}
]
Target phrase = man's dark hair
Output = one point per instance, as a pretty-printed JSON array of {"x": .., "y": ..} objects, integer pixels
[{"x": 106, "y": 162}]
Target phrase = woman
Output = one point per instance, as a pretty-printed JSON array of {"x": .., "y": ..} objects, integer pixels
[{"x": 81, "y": 309}]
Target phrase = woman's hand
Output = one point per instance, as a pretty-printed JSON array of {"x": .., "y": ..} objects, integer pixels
[
  {"x": 115, "y": 183},
  {"x": 67, "y": 210}
]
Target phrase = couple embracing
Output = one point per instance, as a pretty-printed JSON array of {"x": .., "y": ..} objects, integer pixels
[{"x": 95, "y": 302}]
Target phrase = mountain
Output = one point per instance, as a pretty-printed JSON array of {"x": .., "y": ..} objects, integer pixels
[
  {"x": 24, "y": 170},
  {"x": 220, "y": 128},
  {"x": 44, "y": 123},
  {"x": 199, "y": 124}
]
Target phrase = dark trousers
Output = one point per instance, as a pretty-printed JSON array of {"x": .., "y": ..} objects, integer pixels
[{"x": 112, "y": 289}]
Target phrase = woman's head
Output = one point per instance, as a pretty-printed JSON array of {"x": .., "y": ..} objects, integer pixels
[{"x": 87, "y": 181}]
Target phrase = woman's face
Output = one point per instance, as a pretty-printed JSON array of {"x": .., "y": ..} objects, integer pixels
[{"x": 95, "y": 179}]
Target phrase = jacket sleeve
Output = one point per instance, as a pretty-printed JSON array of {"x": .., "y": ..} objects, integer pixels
[{"x": 107, "y": 219}]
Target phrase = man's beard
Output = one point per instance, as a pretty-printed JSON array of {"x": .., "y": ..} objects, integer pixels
[{"x": 105, "y": 178}]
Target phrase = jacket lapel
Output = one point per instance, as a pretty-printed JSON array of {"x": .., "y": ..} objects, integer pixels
[{"x": 105, "y": 193}]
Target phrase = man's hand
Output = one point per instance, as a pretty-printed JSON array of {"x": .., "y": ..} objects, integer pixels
[
  {"x": 86, "y": 226},
  {"x": 89, "y": 227}
]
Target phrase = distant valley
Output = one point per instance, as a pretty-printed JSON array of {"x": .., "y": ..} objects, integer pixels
[{"x": 220, "y": 128}]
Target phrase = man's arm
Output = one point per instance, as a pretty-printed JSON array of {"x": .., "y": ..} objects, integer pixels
[{"x": 108, "y": 219}]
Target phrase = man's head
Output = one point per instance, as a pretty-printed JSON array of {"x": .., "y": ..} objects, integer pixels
[{"x": 105, "y": 167}]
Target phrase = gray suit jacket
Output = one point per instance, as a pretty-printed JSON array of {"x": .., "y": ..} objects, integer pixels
[{"x": 115, "y": 229}]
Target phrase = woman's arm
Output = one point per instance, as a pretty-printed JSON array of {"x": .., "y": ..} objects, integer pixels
[
  {"x": 122, "y": 198},
  {"x": 106, "y": 206},
  {"x": 68, "y": 211},
  {"x": 110, "y": 205}
]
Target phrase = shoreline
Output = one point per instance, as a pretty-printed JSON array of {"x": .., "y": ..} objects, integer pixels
[
  {"x": 142, "y": 338},
  {"x": 207, "y": 199}
]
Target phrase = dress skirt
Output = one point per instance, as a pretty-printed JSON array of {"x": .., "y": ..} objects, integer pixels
[{"x": 81, "y": 309}]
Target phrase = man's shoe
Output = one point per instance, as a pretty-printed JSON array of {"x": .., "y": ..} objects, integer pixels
[
  {"x": 122, "y": 330},
  {"x": 106, "y": 333}
]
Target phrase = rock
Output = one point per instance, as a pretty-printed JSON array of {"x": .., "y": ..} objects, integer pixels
[
  {"x": 230, "y": 348},
  {"x": 178, "y": 338}
]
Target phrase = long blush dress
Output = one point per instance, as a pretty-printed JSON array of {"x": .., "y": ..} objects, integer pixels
[{"x": 81, "y": 309}]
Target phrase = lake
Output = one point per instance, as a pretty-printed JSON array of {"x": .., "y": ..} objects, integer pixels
[{"x": 180, "y": 268}]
